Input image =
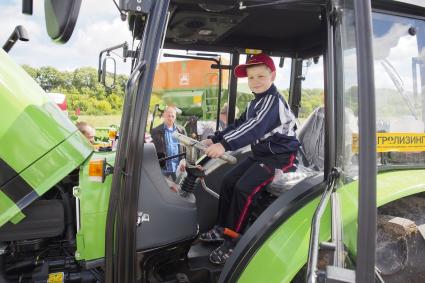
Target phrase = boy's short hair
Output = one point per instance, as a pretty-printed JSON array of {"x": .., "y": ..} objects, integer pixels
[{"x": 257, "y": 59}]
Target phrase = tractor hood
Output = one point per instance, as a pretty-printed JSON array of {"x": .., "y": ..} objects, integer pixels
[{"x": 39, "y": 145}]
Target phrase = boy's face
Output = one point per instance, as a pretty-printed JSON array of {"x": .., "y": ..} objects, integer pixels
[{"x": 260, "y": 78}]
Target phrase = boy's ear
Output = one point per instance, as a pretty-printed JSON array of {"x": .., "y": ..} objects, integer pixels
[{"x": 273, "y": 75}]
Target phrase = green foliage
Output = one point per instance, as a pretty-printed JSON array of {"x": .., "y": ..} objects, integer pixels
[
  {"x": 310, "y": 100},
  {"x": 82, "y": 89},
  {"x": 155, "y": 99},
  {"x": 84, "y": 92}
]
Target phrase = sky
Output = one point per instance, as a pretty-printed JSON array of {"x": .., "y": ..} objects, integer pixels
[{"x": 98, "y": 27}]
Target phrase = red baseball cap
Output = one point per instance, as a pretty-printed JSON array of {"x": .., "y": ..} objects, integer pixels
[{"x": 257, "y": 59}]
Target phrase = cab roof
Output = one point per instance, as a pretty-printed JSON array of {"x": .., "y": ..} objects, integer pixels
[{"x": 290, "y": 28}]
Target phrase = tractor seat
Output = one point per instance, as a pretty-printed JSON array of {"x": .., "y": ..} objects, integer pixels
[
  {"x": 311, "y": 154},
  {"x": 311, "y": 163},
  {"x": 312, "y": 138}
]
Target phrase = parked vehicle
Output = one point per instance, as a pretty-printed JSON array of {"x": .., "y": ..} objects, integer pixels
[{"x": 60, "y": 100}]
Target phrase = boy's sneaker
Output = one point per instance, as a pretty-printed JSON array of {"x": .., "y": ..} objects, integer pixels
[
  {"x": 213, "y": 235},
  {"x": 222, "y": 253}
]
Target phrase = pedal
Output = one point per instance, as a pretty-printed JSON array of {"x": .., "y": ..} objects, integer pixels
[{"x": 230, "y": 233}]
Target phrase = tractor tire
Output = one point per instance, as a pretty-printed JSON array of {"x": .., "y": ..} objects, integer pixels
[{"x": 400, "y": 247}]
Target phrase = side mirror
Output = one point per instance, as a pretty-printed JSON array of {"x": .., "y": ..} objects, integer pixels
[
  {"x": 19, "y": 33},
  {"x": 61, "y": 17},
  {"x": 109, "y": 66}
]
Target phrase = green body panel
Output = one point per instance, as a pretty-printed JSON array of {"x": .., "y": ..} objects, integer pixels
[
  {"x": 8, "y": 209},
  {"x": 94, "y": 201},
  {"x": 31, "y": 123},
  {"x": 37, "y": 140},
  {"x": 284, "y": 253},
  {"x": 48, "y": 171}
]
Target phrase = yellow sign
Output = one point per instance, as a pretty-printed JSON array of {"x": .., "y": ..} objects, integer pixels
[
  {"x": 55, "y": 277},
  {"x": 398, "y": 142},
  {"x": 253, "y": 51}
]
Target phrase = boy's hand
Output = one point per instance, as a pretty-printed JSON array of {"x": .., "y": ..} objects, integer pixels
[
  {"x": 207, "y": 142},
  {"x": 182, "y": 167},
  {"x": 214, "y": 151}
]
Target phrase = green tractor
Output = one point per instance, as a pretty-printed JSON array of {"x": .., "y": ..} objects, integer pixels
[{"x": 69, "y": 214}]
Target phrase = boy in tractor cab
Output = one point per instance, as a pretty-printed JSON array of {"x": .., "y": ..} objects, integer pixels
[{"x": 268, "y": 125}]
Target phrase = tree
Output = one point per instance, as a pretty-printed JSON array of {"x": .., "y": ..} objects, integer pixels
[
  {"x": 49, "y": 78},
  {"x": 81, "y": 88}
]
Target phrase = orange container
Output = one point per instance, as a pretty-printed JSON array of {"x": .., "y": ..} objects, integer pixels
[{"x": 187, "y": 74}]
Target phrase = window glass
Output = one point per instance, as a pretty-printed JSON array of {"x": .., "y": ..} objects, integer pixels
[{"x": 398, "y": 44}]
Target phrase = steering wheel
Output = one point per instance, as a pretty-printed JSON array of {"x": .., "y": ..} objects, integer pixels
[{"x": 189, "y": 142}]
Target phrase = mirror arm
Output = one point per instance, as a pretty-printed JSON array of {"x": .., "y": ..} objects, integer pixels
[
  {"x": 99, "y": 70},
  {"x": 19, "y": 33},
  {"x": 126, "y": 54},
  {"x": 27, "y": 7},
  {"x": 115, "y": 74}
]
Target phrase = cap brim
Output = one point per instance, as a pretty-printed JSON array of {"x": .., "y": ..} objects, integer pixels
[{"x": 240, "y": 70}]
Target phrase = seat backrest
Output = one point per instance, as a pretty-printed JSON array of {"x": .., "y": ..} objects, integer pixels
[{"x": 312, "y": 138}]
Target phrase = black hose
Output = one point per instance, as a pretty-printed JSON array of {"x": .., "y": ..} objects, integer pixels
[
  {"x": 2, "y": 277},
  {"x": 69, "y": 223},
  {"x": 20, "y": 265}
]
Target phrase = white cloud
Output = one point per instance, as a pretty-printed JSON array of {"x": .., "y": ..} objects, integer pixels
[{"x": 97, "y": 28}]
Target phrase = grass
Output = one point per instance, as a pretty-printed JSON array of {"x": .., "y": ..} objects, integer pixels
[{"x": 101, "y": 120}]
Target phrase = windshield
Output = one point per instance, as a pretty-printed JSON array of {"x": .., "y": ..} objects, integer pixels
[{"x": 398, "y": 44}]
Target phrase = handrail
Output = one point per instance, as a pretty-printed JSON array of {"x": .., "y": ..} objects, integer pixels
[{"x": 313, "y": 251}]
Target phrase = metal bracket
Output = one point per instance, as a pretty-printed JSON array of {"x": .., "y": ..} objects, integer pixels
[
  {"x": 142, "y": 217},
  {"x": 136, "y": 6},
  {"x": 335, "y": 13}
]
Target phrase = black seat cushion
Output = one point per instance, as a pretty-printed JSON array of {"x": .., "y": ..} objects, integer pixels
[{"x": 44, "y": 219}]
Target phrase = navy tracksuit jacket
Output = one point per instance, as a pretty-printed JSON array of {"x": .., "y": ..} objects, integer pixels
[{"x": 268, "y": 125}]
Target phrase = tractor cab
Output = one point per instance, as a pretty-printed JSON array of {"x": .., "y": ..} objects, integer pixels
[{"x": 322, "y": 210}]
